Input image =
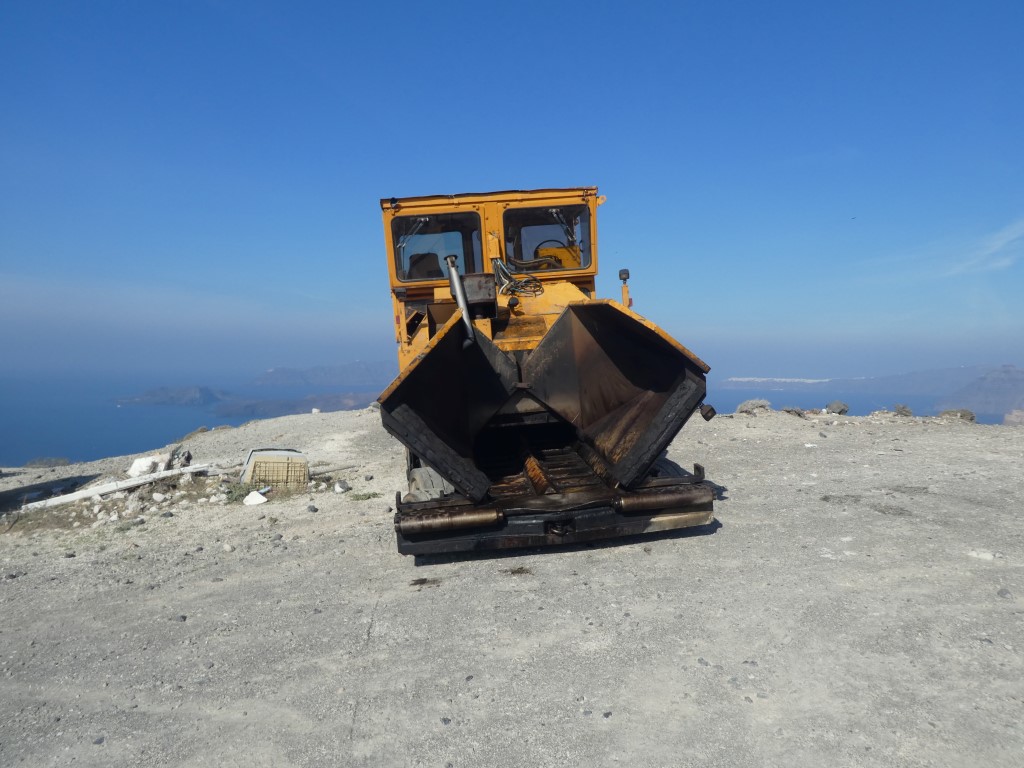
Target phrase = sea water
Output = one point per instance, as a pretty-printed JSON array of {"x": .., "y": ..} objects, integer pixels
[{"x": 79, "y": 418}]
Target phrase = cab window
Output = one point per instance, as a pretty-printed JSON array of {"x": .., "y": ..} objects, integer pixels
[
  {"x": 538, "y": 239},
  {"x": 422, "y": 243}
]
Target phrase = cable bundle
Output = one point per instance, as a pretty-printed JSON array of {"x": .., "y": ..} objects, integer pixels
[{"x": 524, "y": 285}]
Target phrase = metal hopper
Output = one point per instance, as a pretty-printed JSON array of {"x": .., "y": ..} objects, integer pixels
[{"x": 602, "y": 381}]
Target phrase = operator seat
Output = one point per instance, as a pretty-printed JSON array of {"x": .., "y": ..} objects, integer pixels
[{"x": 424, "y": 266}]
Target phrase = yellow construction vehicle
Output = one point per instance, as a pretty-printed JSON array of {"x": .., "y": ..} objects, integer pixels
[{"x": 533, "y": 412}]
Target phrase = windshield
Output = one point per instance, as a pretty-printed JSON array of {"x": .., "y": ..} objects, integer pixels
[
  {"x": 423, "y": 242},
  {"x": 548, "y": 238}
]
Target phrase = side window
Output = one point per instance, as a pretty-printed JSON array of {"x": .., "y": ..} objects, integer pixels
[
  {"x": 548, "y": 238},
  {"x": 422, "y": 243}
]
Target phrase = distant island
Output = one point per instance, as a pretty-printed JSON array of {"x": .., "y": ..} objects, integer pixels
[
  {"x": 176, "y": 396},
  {"x": 998, "y": 391},
  {"x": 349, "y": 386}
]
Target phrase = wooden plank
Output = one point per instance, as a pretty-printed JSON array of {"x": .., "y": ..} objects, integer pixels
[{"x": 119, "y": 485}]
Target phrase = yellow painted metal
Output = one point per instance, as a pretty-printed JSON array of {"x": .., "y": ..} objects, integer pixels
[
  {"x": 567, "y": 254},
  {"x": 515, "y": 328},
  {"x": 406, "y": 369},
  {"x": 520, "y": 324}
]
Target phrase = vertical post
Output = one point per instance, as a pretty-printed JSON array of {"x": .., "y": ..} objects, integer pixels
[
  {"x": 455, "y": 280},
  {"x": 624, "y": 277}
]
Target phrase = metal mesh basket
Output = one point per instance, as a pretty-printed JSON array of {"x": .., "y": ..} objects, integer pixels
[{"x": 277, "y": 468}]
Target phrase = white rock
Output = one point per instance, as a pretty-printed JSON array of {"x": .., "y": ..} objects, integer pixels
[
  {"x": 147, "y": 464},
  {"x": 254, "y": 498},
  {"x": 228, "y": 548},
  {"x": 158, "y": 497},
  {"x": 315, "y": 410},
  {"x": 143, "y": 466}
]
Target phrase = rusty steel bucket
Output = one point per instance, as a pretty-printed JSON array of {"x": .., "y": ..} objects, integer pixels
[{"x": 602, "y": 380}]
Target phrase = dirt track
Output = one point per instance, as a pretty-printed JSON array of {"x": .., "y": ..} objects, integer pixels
[{"x": 861, "y": 604}]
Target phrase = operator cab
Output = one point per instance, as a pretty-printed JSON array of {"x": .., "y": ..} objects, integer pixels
[{"x": 521, "y": 256}]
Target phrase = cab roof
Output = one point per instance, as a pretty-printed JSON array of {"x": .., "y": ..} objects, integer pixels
[{"x": 512, "y": 195}]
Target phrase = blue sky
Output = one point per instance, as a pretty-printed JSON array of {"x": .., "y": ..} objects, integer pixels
[{"x": 798, "y": 188}]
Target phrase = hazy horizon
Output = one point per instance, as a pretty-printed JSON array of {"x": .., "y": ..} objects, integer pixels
[{"x": 247, "y": 376}]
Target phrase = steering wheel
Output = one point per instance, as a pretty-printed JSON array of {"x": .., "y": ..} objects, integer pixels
[{"x": 536, "y": 251}]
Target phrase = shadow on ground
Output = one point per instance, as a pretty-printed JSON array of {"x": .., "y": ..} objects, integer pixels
[
  {"x": 501, "y": 554},
  {"x": 15, "y": 497}
]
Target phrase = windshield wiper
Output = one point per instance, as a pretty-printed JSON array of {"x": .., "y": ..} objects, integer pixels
[
  {"x": 404, "y": 239},
  {"x": 569, "y": 232}
]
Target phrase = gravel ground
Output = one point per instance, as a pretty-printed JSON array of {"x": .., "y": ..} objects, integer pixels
[{"x": 860, "y": 604}]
